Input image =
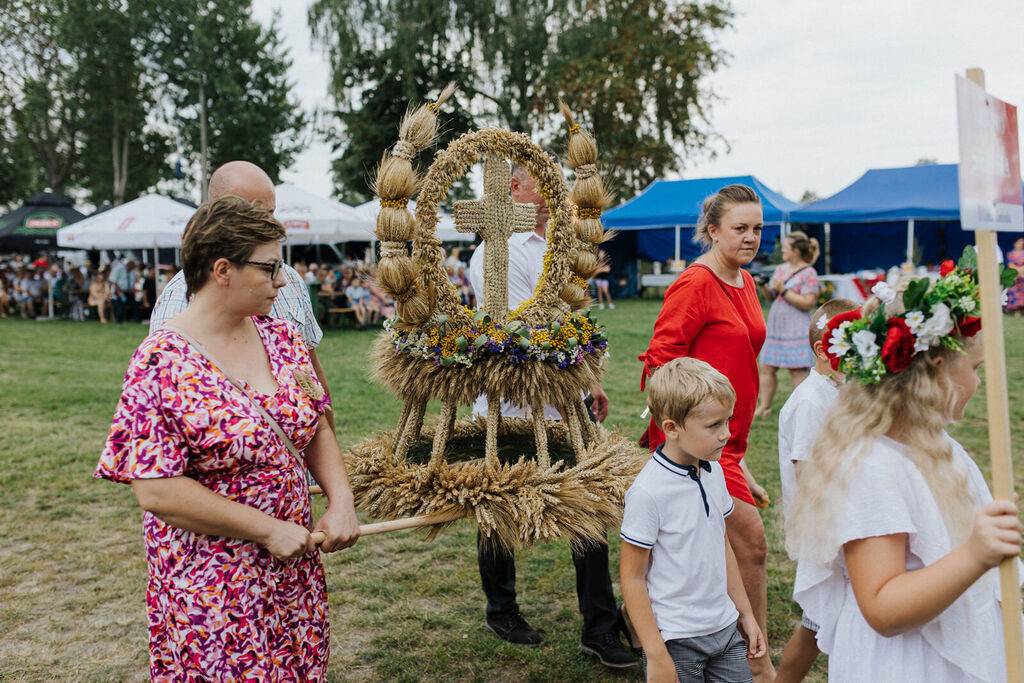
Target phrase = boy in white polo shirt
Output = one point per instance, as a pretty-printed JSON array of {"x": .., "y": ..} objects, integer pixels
[{"x": 680, "y": 582}]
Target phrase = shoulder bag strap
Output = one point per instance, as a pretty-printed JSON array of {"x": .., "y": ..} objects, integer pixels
[
  {"x": 238, "y": 384},
  {"x": 796, "y": 273}
]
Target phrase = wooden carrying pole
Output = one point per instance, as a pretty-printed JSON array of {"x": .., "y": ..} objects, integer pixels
[
  {"x": 399, "y": 524},
  {"x": 999, "y": 427}
]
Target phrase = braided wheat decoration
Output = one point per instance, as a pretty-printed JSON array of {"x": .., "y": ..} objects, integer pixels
[{"x": 514, "y": 503}]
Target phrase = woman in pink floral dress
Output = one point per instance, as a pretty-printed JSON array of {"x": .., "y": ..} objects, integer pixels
[
  {"x": 793, "y": 291},
  {"x": 236, "y": 588},
  {"x": 1015, "y": 294}
]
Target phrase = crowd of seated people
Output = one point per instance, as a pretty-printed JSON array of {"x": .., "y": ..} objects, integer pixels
[
  {"x": 351, "y": 288},
  {"x": 119, "y": 291}
]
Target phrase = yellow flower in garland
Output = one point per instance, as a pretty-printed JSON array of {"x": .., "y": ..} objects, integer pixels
[
  {"x": 450, "y": 345},
  {"x": 540, "y": 337},
  {"x": 568, "y": 330},
  {"x": 585, "y": 328},
  {"x": 433, "y": 338}
]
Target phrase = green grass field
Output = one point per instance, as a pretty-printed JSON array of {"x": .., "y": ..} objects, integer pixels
[{"x": 72, "y": 563}]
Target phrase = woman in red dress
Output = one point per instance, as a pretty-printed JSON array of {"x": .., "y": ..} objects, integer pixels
[{"x": 711, "y": 312}]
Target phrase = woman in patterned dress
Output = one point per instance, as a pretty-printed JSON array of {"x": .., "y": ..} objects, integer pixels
[
  {"x": 1015, "y": 294},
  {"x": 793, "y": 290},
  {"x": 236, "y": 588}
]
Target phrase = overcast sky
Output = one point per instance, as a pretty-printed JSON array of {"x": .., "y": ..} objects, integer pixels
[{"x": 815, "y": 93}]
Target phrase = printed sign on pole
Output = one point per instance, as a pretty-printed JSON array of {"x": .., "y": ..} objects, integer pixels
[{"x": 990, "y": 189}]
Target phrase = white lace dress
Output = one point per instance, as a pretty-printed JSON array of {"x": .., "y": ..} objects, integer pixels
[{"x": 964, "y": 644}]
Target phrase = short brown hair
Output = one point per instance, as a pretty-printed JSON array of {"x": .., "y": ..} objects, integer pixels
[
  {"x": 715, "y": 207},
  {"x": 680, "y": 386},
  {"x": 228, "y": 227},
  {"x": 827, "y": 311}
]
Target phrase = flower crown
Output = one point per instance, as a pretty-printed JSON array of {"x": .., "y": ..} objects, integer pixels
[{"x": 883, "y": 344}]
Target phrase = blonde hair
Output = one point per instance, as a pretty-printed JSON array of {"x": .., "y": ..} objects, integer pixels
[
  {"x": 806, "y": 246},
  {"x": 914, "y": 402},
  {"x": 680, "y": 386},
  {"x": 715, "y": 207},
  {"x": 828, "y": 310}
]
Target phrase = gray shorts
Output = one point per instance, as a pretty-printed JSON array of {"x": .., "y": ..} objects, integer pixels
[
  {"x": 808, "y": 624},
  {"x": 719, "y": 657}
]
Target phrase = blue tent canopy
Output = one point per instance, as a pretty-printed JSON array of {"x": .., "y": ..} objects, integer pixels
[
  {"x": 875, "y": 219},
  {"x": 929, "y": 192},
  {"x": 670, "y": 204}
]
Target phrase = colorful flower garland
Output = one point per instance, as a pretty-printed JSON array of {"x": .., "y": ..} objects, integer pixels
[
  {"x": 868, "y": 349},
  {"x": 565, "y": 344}
]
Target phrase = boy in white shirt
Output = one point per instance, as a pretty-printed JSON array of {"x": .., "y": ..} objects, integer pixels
[
  {"x": 801, "y": 418},
  {"x": 680, "y": 581}
]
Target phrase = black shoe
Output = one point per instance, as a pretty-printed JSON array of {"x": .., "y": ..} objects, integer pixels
[
  {"x": 625, "y": 627},
  {"x": 609, "y": 651},
  {"x": 512, "y": 627}
]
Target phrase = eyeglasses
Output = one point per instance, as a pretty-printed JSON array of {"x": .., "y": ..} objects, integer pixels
[{"x": 272, "y": 267}]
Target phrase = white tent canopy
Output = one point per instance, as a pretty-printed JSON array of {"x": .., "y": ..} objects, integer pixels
[
  {"x": 445, "y": 230},
  {"x": 311, "y": 219},
  {"x": 144, "y": 223}
]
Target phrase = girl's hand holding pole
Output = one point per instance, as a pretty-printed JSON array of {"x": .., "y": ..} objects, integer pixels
[{"x": 996, "y": 534}]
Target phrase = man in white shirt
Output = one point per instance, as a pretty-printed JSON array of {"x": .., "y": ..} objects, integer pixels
[
  {"x": 497, "y": 568},
  {"x": 250, "y": 182}
]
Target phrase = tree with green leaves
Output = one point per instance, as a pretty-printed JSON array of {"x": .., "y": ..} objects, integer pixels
[
  {"x": 634, "y": 71},
  {"x": 378, "y": 72},
  {"x": 36, "y": 90},
  {"x": 123, "y": 153},
  {"x": 78, "y": 99},
  {"x": 242, "y": 67},
  {"x": 20, "y": 173}
]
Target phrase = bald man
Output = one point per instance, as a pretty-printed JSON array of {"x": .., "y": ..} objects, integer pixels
[{"x": 250, "y": 182}]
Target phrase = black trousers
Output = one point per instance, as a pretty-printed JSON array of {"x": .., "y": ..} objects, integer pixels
[{"x": 593, "y": 585}]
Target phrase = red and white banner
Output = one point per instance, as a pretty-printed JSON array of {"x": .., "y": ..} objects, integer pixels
[{"x": 990, "y": 183}]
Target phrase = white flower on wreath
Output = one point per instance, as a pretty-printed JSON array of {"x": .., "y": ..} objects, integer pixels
[
  {"x": 838, "y": 344},
  {"x": 968, "y": 304},
  {"x": 935, "y": 328},
  {"x": 1005, "y": 298},
  {"x": 865, "y": 342},
  {"x": 884, "y": 292},
  {"x": 940, "y": 323},
  {"x": 914, "y": 320}
]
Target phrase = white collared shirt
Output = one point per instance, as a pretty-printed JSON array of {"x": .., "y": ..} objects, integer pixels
[
  {"x": 292, "y": 305},
  {"x": 682, "y": 521},
  {"x": 800, "y": 420},
  {"x": 525, "y": 263}
]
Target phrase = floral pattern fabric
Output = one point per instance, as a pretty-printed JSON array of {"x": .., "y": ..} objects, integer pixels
[
  {"x": 787, "y": 345},
  {"x": 223, "y": 608},
  {"x": 1015, "y": 294}
]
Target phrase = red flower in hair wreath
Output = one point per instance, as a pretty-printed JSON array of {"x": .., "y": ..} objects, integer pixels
[{"x": 881, "y": 344}]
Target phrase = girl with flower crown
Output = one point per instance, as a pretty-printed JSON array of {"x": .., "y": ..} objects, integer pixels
[{"x": 894, "y": 527}]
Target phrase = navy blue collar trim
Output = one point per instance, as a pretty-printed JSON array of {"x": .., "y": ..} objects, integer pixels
[
  {"x": 682, "y": 470},
  {"x": 688, "y": 471}
]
